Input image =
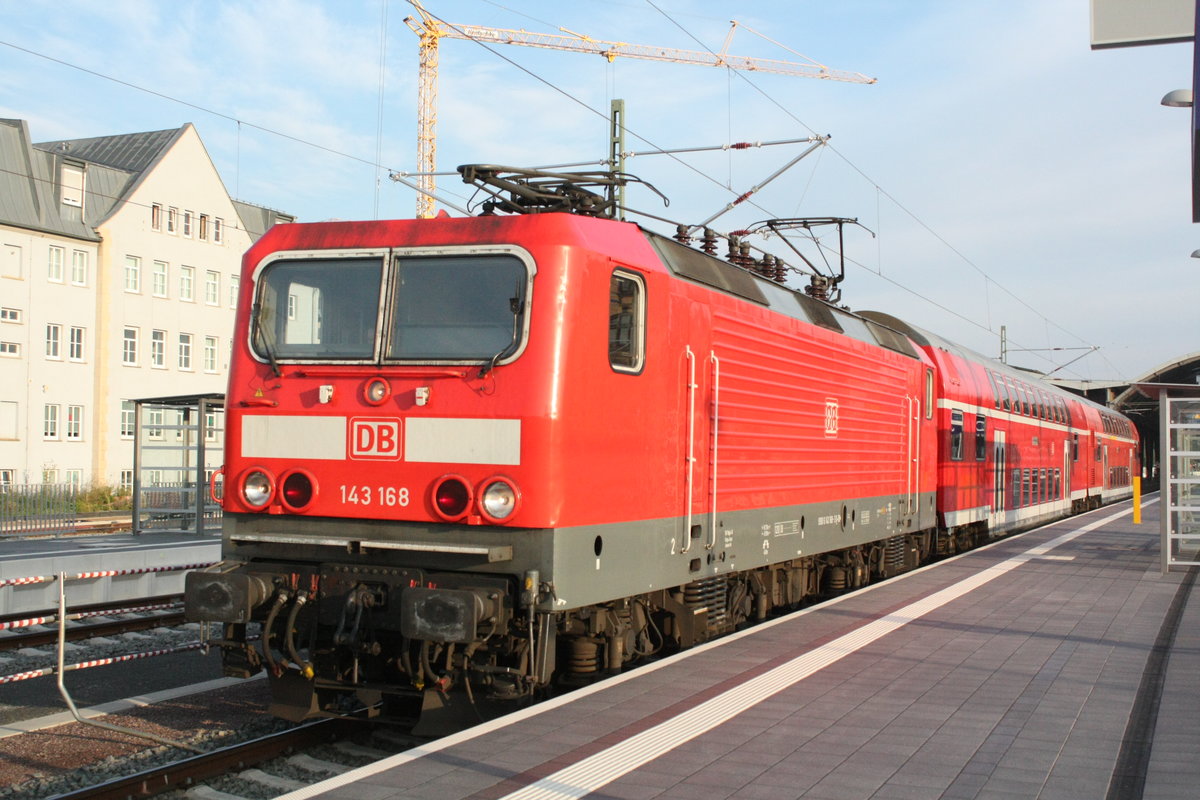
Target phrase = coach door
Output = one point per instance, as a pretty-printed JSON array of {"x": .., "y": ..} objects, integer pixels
[
  {"x": 1066, "y": 472},
  {"x": 999, "y": 471},
  {"x": 700, "y": 380}
]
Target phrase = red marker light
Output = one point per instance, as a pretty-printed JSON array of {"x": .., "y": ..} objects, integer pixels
[{"x": 451, "y": 497}]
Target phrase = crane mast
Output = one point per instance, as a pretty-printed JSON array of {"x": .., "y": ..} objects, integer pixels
[{"x": 431, "y": 30}]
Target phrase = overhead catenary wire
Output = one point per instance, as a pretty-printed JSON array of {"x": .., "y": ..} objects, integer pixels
[{"x": 881, "y": 192}]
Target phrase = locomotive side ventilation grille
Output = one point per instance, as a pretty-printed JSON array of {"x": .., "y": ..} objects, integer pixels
[
  {"x": 891, "y": 339},
  {"x": 818, "y": 312},
  {"x": 703, "y": 268},
  {"x": 708, "y": 593}
]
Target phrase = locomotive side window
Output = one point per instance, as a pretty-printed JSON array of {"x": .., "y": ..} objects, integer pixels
[
  {"x": 626, "y": 322},
  {"x": 466, "y": 308},
  {"x": 317, "y": 308},
  {"x": 928, "y": 394}
]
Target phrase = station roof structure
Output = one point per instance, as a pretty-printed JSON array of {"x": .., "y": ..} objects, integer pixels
[{"x": 1184, "y": 371}]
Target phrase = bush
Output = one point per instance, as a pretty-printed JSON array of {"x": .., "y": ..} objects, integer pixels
[{"x": 104, "y": 498}]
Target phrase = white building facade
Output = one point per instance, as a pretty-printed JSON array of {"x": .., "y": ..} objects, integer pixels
[{"x": 119, "y": 266}]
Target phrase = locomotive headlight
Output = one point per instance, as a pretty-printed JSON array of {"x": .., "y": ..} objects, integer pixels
[
  {"x": 376, "y": 391},
  {"x": 256, "y": 488},
  {"x": 499, "y": 500}
]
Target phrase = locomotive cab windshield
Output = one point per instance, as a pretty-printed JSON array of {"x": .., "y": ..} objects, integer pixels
[{"x": 407, "y": 308}]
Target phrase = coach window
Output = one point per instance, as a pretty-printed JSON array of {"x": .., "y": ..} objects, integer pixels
[
  {"x": 626, "y": 321},
  {"x": 995, "y": 392},
  {"x": 956, "y": 435},
  {"x": 1005, "y": 401},
  {"x": 1074, "y": 447},
  {"x": 980, "y": 437}
]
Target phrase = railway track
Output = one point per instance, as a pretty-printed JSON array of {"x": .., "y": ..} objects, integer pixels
[
  {"x": 275, "y": 763},
  {"x": 32, "y": 631}
]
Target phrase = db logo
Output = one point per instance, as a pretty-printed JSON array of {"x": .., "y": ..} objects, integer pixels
[
  {"x": 831, "y": 417},
  {"x": 375, "y": 438}
]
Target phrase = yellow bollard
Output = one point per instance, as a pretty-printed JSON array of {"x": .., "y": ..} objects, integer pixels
[{"x": 1137, "y": 500}]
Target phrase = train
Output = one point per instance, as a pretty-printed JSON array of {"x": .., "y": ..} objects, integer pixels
[{"x": 469, "y": 460}]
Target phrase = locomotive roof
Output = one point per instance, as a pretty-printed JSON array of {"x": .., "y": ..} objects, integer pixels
[{"x": 695, "y": 265}]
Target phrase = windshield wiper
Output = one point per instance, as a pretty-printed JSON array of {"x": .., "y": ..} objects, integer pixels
[
  {"x": 260, "y": 338},
  {"x": 516, "y": 306}
]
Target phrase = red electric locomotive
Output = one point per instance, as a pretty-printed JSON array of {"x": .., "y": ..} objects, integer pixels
[{"x": 487, "y": 452}]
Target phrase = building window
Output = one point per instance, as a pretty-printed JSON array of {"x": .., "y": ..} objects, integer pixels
[
  {"x": 79, "y": 267},
  {"x": 129, "y": 347},
  {"x": 212, "y": 288},
  {"x": 10, "y": 315},
  {"x": 218, "y": 231},
  {"x": 75, "y": 345},
  {"x": 210, "y": 354},
  {"x": 10, "y": 349},
  {"x": 291, "y": 306},
  {"x": 234, "y": 284},
  {"x": 155, "y": 420},
  {"x": 127, "y": 479},
  {"x": 160, "y": 279},
  {"x": 185, "y": 351},
  {"x": 54, "y": 266},
  {"x": 187, "y": 224},
  {"x": 53, "y": 340},
  {"x": 74, "y": 423},
  {"x": 187, "y": 280},
  {"x": 133, "y": 274},
  {"x": 156, "y": 217},
  {"x": 7, "y": 476},
  {"x": 158, "y": 349},
  {"x": 50, "y": 421},
  {"x": 74, "y": 477},
  {"x": 172, "y": 220},
  {"x": 203, "y": 227},
  {"x": 50, "y": 475},
  {"x": 8, "y": 421},
  {"x": 72, "y": 185},
  {"x": 128, "y": 419}
]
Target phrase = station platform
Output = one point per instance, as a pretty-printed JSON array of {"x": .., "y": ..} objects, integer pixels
[
  {"x": 1055, "y": 664},
  {"x": 101, "y": 568}
]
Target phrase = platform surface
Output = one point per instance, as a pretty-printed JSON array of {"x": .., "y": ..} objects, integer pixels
[{"x": 1056, "y": 664}]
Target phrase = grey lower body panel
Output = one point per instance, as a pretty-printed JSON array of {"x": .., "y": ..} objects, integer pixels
[{"x": 590, "y": 564}]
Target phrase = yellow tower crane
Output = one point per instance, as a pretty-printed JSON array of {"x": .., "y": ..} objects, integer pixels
[{"x": 431, "y": 30}]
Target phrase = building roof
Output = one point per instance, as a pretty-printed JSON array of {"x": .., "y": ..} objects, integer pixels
[
  {"x": 257, "y": 220},
  {"x": 29, "y": 187},
  {"x": 131, "y": 152},
  {"x": 30, "y": 179}
]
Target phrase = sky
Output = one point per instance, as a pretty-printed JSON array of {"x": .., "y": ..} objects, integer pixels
[{"x": 1006, "y": 174}]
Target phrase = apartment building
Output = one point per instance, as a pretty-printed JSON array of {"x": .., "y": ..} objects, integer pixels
[{"x": 119, "y": 267}]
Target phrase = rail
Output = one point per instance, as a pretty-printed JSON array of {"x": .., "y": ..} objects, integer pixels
[{"x": 205, "y": 766}]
